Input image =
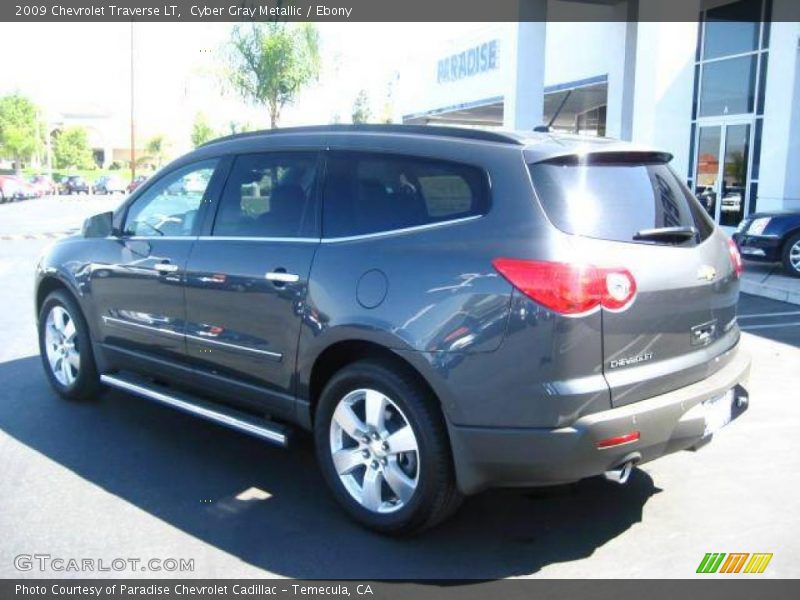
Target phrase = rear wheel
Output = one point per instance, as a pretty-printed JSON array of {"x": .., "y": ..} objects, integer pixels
[
  {"x": 791, "y": 255},
  {"x": 383, "y": 449},
  {"x": 66, "y": 349}
]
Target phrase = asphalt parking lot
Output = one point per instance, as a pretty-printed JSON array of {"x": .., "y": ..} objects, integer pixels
[{"x": 121, "y": 477}]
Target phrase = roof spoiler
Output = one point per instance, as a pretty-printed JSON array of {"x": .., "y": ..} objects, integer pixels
[{"x": 603, "y": 156}]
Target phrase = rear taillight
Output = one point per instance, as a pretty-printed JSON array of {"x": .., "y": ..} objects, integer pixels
[
  {"x": 570, "y": 289},
  {"x": 736, "y": 257}
]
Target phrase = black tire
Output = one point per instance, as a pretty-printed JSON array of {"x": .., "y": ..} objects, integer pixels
[
  {"x": 87, "y": 383},
  {"x": 787, "y": 250},
  {"x": 436, "y": 495}
]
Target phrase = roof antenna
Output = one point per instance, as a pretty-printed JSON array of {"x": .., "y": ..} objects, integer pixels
[{"x": 547, "y": 128}]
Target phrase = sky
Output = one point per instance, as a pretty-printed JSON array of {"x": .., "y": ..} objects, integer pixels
[{"x": 85, "y": 68}]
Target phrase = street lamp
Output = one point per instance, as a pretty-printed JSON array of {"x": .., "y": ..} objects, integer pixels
[{"x": 133, "y": 128}]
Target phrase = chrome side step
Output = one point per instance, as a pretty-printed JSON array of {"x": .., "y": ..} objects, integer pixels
[{"x": 260, "y": 428}]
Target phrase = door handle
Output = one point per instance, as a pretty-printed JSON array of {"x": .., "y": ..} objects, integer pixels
[
  {"x": 279, "y": 276},
  {"x": 165, "y": 267}
]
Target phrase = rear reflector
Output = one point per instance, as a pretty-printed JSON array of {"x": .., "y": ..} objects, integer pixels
[
  {"x": 619, "y": 440},
  {"x": 736, "y": 257},
  {"x": 567, "y": 288}
]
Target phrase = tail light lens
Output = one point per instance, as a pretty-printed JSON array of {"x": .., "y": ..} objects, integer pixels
[
  {"x": 736, "y": 258},
  {"x": 570, "y": 289}
]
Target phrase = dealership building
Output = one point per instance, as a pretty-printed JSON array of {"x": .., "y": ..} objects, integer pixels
[{"x": 721, "y": 91}]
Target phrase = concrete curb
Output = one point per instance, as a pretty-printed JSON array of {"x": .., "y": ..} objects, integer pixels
[{"x": 767, "y": 282}]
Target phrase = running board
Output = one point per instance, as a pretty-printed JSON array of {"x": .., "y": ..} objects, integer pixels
[{"x": 260, "y": 428}]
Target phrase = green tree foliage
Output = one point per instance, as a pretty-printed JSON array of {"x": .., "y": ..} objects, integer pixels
[
  {"x": 72, "y": 150},
  {"x": 201, "y": 130},
  {"x": 271, "y": 62},
  {"x": 20, "y": 134},
  {"x": 361, "y": 111},
  {"x": 156, "y": 149}
]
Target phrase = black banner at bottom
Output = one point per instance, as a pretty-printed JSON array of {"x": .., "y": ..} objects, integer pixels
[{"x": 289, "y": 589}]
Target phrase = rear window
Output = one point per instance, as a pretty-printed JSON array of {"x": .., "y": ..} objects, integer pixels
[
  {"x": 613, "y": 200},
  {"x": 371, "y": 193}
]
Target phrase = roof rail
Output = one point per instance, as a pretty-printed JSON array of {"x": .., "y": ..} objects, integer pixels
[{"x": 431, "y": 130}]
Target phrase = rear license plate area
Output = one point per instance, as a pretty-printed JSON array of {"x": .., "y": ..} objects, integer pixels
[{"x": 718, "y": 412}]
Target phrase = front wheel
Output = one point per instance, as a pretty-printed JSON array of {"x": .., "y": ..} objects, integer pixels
[
  {"x": 66, "y": 349},
  {"x": 383, "y": 449},
  {"x": 791, "y": 256}
]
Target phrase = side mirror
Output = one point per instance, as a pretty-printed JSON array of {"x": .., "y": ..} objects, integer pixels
[{"x": 99, "y": 226}]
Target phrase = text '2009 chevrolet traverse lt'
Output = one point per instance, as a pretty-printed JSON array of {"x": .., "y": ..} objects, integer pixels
[{"x": 446, "y": 310}]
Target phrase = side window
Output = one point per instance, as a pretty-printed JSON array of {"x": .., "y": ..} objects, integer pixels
[
  {"x": 269, "y": 195},
  {"x": 370, "y": 193},
  {"x": 171, "y": 206}
]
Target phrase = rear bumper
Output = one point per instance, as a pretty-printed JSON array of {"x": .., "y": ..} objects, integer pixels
[
  {"x": 759, "y": 247},
  {"x": 512, "y": 457}
]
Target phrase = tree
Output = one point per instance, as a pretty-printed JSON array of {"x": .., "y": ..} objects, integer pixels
[
  {"x": 201, "y": 130},
  {"x": 271, "y": 62},
  {"x": 19, "y": 129},
  {"x": 72, "y": 150},
  {"x": 240, "y": 127},
  {"x": 156, "y": 149},
  {"x": 361, "y": 111}
]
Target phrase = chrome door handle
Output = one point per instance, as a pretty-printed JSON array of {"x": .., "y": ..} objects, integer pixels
[
  {"x": 165, "y": 268},
  {"x": 282, "y": 277}
]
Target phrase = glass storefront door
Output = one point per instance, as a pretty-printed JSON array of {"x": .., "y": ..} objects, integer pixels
[{"x": 721, "y": 168}]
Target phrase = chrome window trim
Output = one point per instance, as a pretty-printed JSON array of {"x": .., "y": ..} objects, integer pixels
[
  {"x": 140, "y": 238},
  {"x": 402, "y": 231},
  {"x": 242, "y": 238},
  {"x": 349, "y": 238},
  {"x": 276, "y": 356}
]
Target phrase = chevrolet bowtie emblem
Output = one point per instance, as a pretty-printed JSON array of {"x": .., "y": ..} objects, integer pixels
[{"x": 707, "y": 272}]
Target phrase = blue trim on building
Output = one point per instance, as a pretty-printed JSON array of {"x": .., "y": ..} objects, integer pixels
[
  {"x": 455, "y": 107},
  {"x": 578, "y": 83}
]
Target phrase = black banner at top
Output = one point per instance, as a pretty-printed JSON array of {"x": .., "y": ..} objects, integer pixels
[{"x": 364, "y": 10}]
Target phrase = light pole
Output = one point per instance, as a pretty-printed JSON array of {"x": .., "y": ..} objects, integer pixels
[{"x": 133, "y": 127}]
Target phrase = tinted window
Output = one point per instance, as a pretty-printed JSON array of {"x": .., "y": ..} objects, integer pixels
[
  {"x": 171, "y": 205},
  {"x": 269, "y": 195},
  {"x": 732, "y": 28},
  {"x": 613, "y": 201},
  {"x": 369, "y": 193},
  {"x": 728, "y": 87}
]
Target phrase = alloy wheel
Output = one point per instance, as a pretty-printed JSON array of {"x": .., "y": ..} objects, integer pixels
[
  {"x": 794, "y": 256},
  {"x": 61, "y": 344},
  {"x": 374, "y": 450}
]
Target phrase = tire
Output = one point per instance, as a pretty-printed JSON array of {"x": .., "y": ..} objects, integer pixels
[
  {"x": 412, "y": 490},
  {"x": 71, "y": 381},
  {"x": 791, "y": 256}
]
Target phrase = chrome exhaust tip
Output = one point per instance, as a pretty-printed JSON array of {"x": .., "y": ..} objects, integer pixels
[{"x": 620, "y": 474}]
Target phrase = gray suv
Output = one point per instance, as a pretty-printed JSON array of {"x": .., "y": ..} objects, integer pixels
[{"x": 446, "y": 310}]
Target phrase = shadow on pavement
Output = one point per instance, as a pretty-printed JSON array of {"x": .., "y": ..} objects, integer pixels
[{"x": 171, "y": 465}]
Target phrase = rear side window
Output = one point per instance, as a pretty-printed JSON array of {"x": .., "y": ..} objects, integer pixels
[
  {"x": 370, "y": 193},
  {"x": 269, "y": 195},
  {"x": 613, "y": 200}
]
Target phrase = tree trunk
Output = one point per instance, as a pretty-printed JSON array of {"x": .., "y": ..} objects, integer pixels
[
  {"x": 18, "y": 166},
  {"x": 274, "y": 114}
]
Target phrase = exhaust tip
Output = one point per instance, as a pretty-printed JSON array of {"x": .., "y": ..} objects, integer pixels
[{"x": 622, "y": 473}]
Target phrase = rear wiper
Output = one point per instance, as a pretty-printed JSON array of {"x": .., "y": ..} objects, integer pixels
[{"x": 679, "y": 234}]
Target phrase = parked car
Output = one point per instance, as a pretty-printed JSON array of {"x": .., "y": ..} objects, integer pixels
[
  {"x": 75, "y": 184},
  {"x": 10, "y": 189},
  {"x": 447, "y": 310},
  {"x": 109, "y": 184},
  {"x": 136, "y": 182},
  {"x": 771, "y": 237},
  {"x": 15, "y": 188},
  {"x": 43, "y": 185}
]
